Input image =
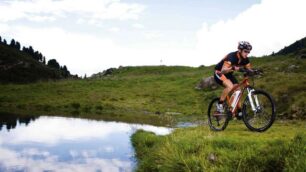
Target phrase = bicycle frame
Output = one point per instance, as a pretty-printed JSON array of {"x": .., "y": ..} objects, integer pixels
[{"x": 244, "y": 85}]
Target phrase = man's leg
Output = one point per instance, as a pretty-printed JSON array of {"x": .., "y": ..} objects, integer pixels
[{"x": 228, "y": 87}]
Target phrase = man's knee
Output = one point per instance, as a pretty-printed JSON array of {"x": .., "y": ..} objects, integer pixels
[{"x": 228, "y": 84}]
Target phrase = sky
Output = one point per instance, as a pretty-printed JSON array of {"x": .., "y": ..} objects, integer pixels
[{"x": 89, "y": 36}]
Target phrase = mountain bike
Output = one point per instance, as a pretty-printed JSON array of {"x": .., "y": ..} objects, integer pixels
[{"x": 257, "y": 112}]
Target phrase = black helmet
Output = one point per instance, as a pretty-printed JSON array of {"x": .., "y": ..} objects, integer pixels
[{"x": 244, "y": 45}]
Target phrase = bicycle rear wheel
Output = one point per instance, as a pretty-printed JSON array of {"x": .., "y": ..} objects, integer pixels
[
  {"x": 217, "y": 121},
  {"x": 263, "y": 117}
]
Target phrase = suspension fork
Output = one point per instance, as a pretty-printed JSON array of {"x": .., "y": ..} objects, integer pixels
[{"x": 255, "y": 104}]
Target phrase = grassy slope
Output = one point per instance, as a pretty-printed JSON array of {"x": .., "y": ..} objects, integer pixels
[
  {"x": 281, "y": 148},
  {"x": 160, "y": 90}
]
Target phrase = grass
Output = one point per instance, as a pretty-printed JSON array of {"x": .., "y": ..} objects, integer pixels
[
  {"x": 146, "y": 95},
  {"x": 166, "y": 92},
  {"x": 281, "y": 148}
]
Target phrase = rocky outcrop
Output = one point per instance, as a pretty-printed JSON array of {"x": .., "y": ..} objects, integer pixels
[{"x": 208, "y": 82}]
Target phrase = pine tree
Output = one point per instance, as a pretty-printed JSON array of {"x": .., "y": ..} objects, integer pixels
[
  {"x": 36, "y": 55},
  {"x": 24, "y": 49},
  {"x": 53, "y": 64},
  {"x": 31, "y": 51},
  {"x": 40, "y": 57},
  {"x": 13, "y": 43},
  {"x": 18, "y": 45},
  {"x": 44, "y": 61},
  {"x": 66, "y": 73}
]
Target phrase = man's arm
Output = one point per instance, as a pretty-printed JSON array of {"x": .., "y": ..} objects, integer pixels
[{"x": 227, "y": 67}]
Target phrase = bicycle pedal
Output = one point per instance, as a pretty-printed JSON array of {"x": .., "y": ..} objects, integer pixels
[
  {"x": 229, "y": 116},
  {"x": 239, "y": 117}
]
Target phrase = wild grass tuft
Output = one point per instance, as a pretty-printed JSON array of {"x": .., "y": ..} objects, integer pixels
[{"x": 282, "y": 148}]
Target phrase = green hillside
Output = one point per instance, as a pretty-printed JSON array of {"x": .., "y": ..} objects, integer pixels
[
  {"x": 156, "y": 90},
  {"x": 19, "y": 67},
  {"x": 164, "y": 91}
]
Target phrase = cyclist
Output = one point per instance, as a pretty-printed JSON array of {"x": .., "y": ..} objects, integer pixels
[{"x": 225, "y": 68}]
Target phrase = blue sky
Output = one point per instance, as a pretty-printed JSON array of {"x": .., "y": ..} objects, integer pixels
[{"x": 91, "y": 36}]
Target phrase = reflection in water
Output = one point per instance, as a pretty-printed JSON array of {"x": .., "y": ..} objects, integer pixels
[
  {"x": 11, "y": 120},
  {"x": 68, "y": 144}
]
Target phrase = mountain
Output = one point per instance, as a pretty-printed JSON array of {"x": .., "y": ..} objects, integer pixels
[
  {"x": 26, "y": 66},
  {"x": 298, "y": 47}
]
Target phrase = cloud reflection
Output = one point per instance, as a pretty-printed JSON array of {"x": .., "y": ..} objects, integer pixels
[
  {"x": 69, "y": 144},
  {"x": 15, "y": 161},
  {"x": 51, "y": 130}
]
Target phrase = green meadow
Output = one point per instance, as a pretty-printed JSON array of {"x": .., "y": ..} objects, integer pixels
[
  {"x": 281, "y": 148},
  {"x": 166, "y": 95}
]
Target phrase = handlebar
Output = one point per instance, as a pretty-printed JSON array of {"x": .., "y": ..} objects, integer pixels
[{"x": 252, "y": 72}]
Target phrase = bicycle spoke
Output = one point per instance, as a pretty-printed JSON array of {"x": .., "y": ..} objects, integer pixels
[
  {"x": 263, "y": 117},
  {"x": 216, "y": 120}
]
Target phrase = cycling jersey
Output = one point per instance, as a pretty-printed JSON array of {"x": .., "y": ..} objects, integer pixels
[{"x": 232, "y": 59}]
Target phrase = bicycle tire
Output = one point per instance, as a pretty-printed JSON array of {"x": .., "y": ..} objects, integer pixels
[
  {"x": 212, "y": 119},
  {"x": 270, "y": 105}
]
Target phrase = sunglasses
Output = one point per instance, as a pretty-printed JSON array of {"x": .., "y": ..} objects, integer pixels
[{"x": 246, "y": 51}]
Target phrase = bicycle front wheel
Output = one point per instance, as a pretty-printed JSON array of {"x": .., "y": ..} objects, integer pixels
[
  {"x": 217, "y": 121},
  {"x": 262, "y": 117}
]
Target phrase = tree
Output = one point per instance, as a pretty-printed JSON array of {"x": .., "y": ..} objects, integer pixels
[
  {"x": 40, "y": 57},
  {"x": 65, "y": 71},
  {"x": 31, "y": 51},
  {"x": 53, "y": 64},
  {"x": 18, "y": 45},
  {"x": 4, "y": 42},
  {"x": 44, "y": 60},
  {"x": 0, "y": 40},
  {"x": 13, "y": 43},
  {"x": 24, "y": 49},
  {"x": 36, "y": 55}
]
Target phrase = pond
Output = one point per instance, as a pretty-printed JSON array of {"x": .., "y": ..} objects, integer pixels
[{"x": 67, "y": 144}]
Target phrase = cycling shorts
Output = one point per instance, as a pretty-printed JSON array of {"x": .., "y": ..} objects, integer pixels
[{"x": 220, "y": 78}]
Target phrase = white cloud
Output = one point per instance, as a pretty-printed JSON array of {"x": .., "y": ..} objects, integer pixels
[
  {"x": 80, "y": 52},
  {"x": 114, "y": 29},
  {"x": 86, "y": 53},
  {"x": 269, "y": 26},
  {"x": 138, "y": 26},
  {"x": 46, "y": 10},
  {"x": 153, "y": 35},
  {"x": 3, "y": 28},
  {"x": 41, "y": 18}
]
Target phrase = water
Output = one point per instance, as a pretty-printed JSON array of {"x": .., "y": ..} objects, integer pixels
[{"x": 67, "y": 144}]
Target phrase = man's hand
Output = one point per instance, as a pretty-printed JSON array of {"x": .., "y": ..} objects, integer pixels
[{"x": 235, "y": 68}]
